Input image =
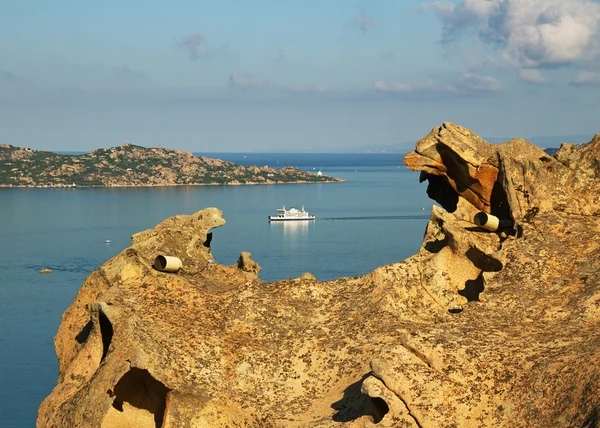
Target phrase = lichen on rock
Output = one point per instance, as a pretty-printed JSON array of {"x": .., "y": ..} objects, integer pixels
[{"x": 478, "y": 328}]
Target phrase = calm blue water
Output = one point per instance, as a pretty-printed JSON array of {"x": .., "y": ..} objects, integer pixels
[{"x": 375, "y": 218}]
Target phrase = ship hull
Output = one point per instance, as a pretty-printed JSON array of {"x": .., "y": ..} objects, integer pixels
[{"x": 271, "y": 218}]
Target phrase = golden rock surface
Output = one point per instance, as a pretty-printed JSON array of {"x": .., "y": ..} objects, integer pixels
[{"x": 477, "y": 329}]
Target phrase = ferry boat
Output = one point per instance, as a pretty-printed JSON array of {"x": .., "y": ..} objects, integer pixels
[{"x": 292, "y": 214}]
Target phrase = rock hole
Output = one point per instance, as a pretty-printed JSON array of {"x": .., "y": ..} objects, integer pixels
[
  {"x": 500, "y": 207},
  {"x": 379, "y": 408},
  {"x": 483, "y": 261},
  {"x": 106, "y": 330},
  {"x": 473, "y": 288},
  {"x": 441, "y": 191},
  {"x": 455, "y": 310},
  {"x": 209, "y": 237},
  {"x": 117, "y": 404},
  {"x": 140, "y": 401},
  {"x": 499, "y": 202}
]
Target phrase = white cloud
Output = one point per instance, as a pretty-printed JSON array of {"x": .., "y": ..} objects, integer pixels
[
  {"x": 530, "y": 33},
  {"x": 532, "y": 75},
  {"x": 427, "y": 85},
  {"x": 470, "y": 82},
  {"x": 466, "y": 83},
  {"x": 443, "y": 9},
  {"x": 585, "y": 78}
]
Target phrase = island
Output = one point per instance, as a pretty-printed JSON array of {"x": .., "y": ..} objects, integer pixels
[{"x": 132, "y": 165}]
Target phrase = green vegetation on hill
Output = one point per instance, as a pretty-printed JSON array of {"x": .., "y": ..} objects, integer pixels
[{"x": 130, "y": 165}]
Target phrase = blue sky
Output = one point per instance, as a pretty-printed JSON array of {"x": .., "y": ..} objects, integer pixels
[{"x": 284, "y": 75}]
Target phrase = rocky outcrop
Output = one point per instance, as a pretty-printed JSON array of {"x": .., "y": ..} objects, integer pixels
[{"x": 478, "y": 328}]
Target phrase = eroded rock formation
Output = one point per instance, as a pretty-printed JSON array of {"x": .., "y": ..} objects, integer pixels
[{"x": 479, "y": 328}]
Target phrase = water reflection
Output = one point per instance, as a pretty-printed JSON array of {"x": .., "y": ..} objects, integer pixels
[{"x": 293, "y": 229}]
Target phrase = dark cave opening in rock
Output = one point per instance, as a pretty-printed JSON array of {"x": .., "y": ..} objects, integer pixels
[
  {"x": 499, "y": 202},
  {"x": 106, "y": 330},
  {"x": 209, "y": 237},
  {"x": 140, "y": 390},
  {"x": 118, "y": 405},
  {"x": 500, "y": 207},
  {"x": 473, "y": 288},
  {"x": 379, "y": 408},
  {"x": 441, "y": 191}
]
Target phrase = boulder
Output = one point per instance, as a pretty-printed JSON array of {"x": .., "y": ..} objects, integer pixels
[
  {"x": 461, "y": 159},
  {"x": 479, "y": 328},
  {"x": 246, "y": 264}
]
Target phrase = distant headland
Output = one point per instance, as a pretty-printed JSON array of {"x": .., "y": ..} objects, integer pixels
[{"x": 131, "y": 165}]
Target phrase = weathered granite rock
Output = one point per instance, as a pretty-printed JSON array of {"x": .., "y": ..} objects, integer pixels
[
  {"x": 477, "y": 329},
  {"x": 246, "y": 263},
  {"x": 463, "y": 159}
]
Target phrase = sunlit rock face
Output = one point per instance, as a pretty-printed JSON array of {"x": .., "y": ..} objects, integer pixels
[{"x": 479, "y": 328}]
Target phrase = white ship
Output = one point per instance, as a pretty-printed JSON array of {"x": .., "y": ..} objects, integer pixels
[{"x": 292, "y": 214}]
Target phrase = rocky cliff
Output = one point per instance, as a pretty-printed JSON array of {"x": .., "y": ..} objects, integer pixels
[
  {"x": 130, "y": 165},
  {"x": 479, "y": 328}
]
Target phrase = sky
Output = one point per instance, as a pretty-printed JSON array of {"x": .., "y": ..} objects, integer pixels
[{"x": 272, "y": 75}]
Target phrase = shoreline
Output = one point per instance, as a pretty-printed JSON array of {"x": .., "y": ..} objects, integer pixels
[
  {"x": 136, "y": 166},
  {"x": 3, "y": 186}
]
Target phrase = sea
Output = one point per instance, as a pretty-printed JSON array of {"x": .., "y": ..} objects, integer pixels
[{"x": 376, "y": 217}]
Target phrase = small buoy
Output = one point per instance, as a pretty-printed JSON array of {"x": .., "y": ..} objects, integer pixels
[
  {"x": 108, "y": 241},
  {"x": 46, "y": 271}
]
